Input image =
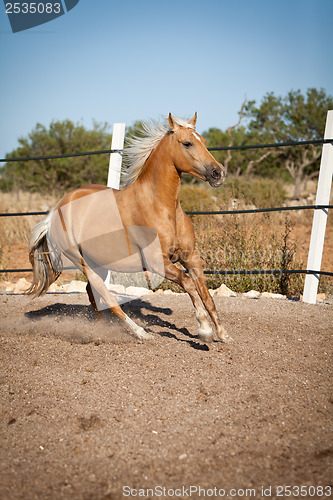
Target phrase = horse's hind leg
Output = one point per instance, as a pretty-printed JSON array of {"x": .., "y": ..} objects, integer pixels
[
  {"x": 93, "y": 301},
  {"x": 96, "y": 289}
]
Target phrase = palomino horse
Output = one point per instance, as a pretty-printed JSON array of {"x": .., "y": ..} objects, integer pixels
[{"x": 149, "y": 199}]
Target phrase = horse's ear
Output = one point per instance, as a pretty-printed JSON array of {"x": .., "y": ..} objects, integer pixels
[
  {"x": 193, "y": 120},
  {"x": 173, "y": 124}
]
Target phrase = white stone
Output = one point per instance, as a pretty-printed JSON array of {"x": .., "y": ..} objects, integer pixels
[
  {"x": 76, "y": 286},
  {"x": 321, "y": 297},
  {"x": 21, "y": 286},
  {"x": 252, "y": 294},
  {"x": 269, "y": 295},
  {"x": 224, "y": 291},
  {"x": 136, "y": 291},
  {"x": 10, "y": 287}
]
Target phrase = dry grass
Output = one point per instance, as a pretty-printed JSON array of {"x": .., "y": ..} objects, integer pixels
[
  {"x": 255, "y": 242},
  {"x": 225, "y": 242},
  {"x": 16, "y": 229}
]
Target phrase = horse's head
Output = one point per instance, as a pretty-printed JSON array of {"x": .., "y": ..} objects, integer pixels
[{"x": 190, "y": 154}]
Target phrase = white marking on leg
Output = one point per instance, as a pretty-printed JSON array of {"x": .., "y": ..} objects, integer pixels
[
  {"x": 204, "y": 327},
  {"x": 205, "y": 332},
  {"x": 137, "y": 330}
]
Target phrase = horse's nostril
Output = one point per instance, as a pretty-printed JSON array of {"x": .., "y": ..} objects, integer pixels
[{"x": 216, "y": 174}]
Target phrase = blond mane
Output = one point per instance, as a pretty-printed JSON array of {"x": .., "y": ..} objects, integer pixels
[{"x": 139, "y": 149}]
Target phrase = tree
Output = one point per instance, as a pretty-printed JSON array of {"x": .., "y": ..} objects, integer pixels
[
  {"x": 296, "y": 117},
  {"x": 135, "y": 130},
  {"x": 58, "y": 175},
  {"x": 238, "y": 162},
  {"x": 233, "y": 160}
]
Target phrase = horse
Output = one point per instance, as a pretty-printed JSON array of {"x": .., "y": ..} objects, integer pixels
[{"x": 148, "y": 199}]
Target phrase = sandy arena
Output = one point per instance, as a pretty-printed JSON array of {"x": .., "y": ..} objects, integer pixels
[{"x": 88, "y": 412}]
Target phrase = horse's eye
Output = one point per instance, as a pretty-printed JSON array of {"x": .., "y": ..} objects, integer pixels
[{"x": 187, "y": 144}]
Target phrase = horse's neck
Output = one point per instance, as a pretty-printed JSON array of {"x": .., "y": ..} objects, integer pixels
[{"x": 161, "y": 179}]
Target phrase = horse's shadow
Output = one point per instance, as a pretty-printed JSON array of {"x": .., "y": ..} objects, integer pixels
[{"x": 135, "y": 309}]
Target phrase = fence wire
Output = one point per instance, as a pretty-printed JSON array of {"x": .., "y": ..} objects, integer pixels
[
  {"x": 269, "y": 272},
  {"x": 214, "y": 148},
  {"x": 203, "y": 212}
]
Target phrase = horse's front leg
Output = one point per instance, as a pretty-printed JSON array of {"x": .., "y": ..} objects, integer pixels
[
  {"x": 174, "y": 274},
  {"x": 192, "y": 263}
]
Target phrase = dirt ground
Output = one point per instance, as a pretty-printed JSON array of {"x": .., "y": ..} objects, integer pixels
[{"x": 88, "y": 412}]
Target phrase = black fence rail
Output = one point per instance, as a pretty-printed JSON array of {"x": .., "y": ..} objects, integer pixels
[
  {"x": 212, "y": 212},
  {"x": 214, "y": 148},
  {"x": 255, "y": 272},
  {"x": 260, "y": 210},
  {"x": 216, "y": 212}
]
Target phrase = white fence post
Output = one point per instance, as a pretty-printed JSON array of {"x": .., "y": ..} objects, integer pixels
[
  {"x": 320, "y": 216},
  {"x": 118, "y": 136}
]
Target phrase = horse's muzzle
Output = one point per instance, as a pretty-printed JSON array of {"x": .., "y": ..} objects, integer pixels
[{"x": 215, "y": 174}]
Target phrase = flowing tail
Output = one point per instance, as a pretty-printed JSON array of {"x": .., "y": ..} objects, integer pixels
[{"x": 46, "y": 261}]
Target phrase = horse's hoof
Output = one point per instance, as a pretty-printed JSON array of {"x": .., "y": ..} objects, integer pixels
[
  {"x": 143, "y": 335},
  {"x": 226, "y": 338},
  {"x": 206, "y": 337},
  {"x": 223, "y": 335}
]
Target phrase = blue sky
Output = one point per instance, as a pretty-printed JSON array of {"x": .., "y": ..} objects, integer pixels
[{"x": 123, "y": 61}]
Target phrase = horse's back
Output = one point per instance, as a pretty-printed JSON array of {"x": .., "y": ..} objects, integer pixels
[{"x": 80, "y": 193}]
